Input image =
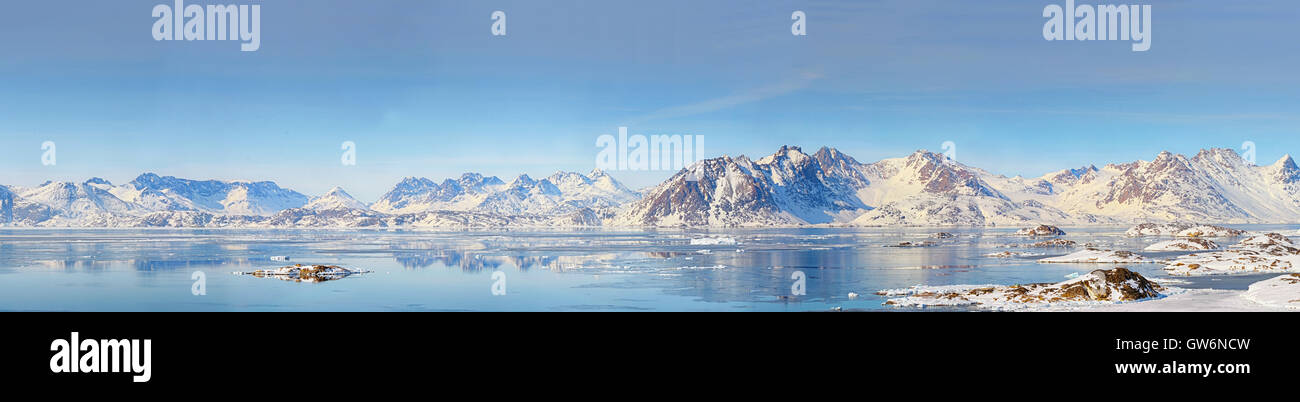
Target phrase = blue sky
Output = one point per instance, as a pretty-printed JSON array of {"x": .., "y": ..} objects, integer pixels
[{"x": 423, "y": 88}]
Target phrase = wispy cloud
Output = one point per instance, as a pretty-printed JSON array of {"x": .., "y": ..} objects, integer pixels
[{"x": 800, "y": 82}]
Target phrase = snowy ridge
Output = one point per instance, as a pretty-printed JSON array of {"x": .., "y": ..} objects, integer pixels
[
  {"x": 786, "y": 188},
  {"x": 561, "y": 193}
]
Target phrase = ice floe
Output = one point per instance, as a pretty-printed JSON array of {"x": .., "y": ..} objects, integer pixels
[
  {"x": 713, "y": 241},
  {"x": 1013, "y": 254},
  {"x": 1108, "y": 286},
  {"x": 1093, "y": 255},
  {"x": 1183, "y": 244},
  {"x": 1266, "y": 253},
  {"x": 1182, "y": 230}
]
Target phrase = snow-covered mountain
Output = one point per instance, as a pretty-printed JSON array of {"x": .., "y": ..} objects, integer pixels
[
  {"x": 73, "y": 199},
  {"x": 414, "y": 194},
  {"x": 150, "y": 200},
  {"x": 926, "y": 188},
  {"x": 16, "y": 211},
  {"x": 236, "y": 197},
  {"x": 791, "y": 187},
  {"x": 1216, "y": 185},
  {"x": 560, "y": 193},
  {"x": 336, "y": 198},
  {"x": 788, "y": 187}
]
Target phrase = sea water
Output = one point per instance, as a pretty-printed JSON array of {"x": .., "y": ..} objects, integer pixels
[{"x": 812, "y": 269}]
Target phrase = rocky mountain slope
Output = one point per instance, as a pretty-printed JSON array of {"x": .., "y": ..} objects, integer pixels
[{"x": 788, "y": 187}]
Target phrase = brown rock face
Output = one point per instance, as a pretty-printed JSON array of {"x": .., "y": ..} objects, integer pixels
[
  {"x": 1111, "y": 284},
  {"x": 1054, "y": 243},
  {"x": 1203, "y": 244},
  {"x": 1103, "y": 285}
]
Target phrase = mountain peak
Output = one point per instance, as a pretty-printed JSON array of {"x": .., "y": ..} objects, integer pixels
[
  {"x": 1285, "y": 170},
  {"x": 1285, "y": 162},
  {"x": 1224, "y": 156},
  {"x": 474, "y": 181},
  {"x": 790, "y": 152},
  {"x": 523, "y": 180},
  {"x": 927, "y": 155},
  {"x": 336, "y": 198},
  {"x": 828, "y": 155}
]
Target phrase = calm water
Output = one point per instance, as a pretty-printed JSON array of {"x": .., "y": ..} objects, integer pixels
[{"x": 151, "y": 270}]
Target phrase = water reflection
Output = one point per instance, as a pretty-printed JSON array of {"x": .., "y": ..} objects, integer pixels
[{"x": 150, "y": 270}]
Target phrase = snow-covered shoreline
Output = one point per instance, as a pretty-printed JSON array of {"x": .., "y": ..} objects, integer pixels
[{"x": 1278, "y": 293}]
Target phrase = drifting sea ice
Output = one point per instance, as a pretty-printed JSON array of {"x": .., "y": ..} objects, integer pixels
[
  {"x": 1267, "y": 253},
  {"x": 1183, "y": 245},
  {"x": 1093, "y": 255},
  {"x": 713, "y": 241}
]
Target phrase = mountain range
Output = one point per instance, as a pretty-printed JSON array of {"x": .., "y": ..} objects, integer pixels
[{"x": 786, "y": 188}]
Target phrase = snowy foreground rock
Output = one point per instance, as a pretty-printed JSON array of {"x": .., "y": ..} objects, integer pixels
[
  {"x": 1267, "y": 253},
  {"x": 1182, "y": 245},
  {"x": 1097, "y": 287},
  {"x": 1282, "y": 291},
  {"x": 1093, "y": 255},
  {"x": 1182, "y": 230},
  {"x": 1041, "y": 230},
  {"x": 300, "y": 273}
]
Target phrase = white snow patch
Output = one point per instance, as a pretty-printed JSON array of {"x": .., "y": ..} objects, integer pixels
[
  {"x": 714, "y": 241},
  {"x": 1182, "y": 245},
  {"x": 1093, "y": 255}
]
